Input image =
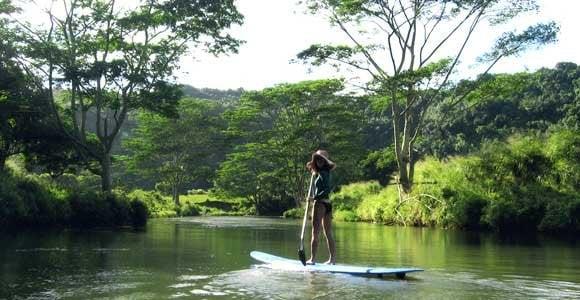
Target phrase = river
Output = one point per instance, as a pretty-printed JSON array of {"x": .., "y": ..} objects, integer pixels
[{"x": 208, "y": 258}]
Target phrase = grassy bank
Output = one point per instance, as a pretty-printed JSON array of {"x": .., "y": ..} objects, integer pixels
[
  {"x": 162, "y": 206},
  {"x": 526, "y": 183},
  {"x": 37, "y": 201},
  {"x": 32, "y": 200}
]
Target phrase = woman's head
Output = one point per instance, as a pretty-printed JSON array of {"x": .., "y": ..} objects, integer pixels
[{"x": 320, "y": 161}]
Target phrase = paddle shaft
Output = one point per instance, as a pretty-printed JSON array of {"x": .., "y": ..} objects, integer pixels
[{"x": 306, "y": 212}]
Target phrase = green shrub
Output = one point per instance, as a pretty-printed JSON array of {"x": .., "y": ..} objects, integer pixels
[
  {"x": 350, "y": 196},
  {"x": 562, "y": 214},
  {"x": 37, "y": 200},
  {"x": 574, "y": 214},
  {"x": 556, "y": 217},
  {"x": 563, "y": 149},
  {"x": 500, "y": 214},
  {"x": 345, "y": 215},
  {"x": 12, "y": 207},
  {"x": 159, "y": 206},
  {"x": 89, "y": 208},
  {"x": 120, "y": 207},
  {"x": 189, "y": 209},
  {"x": 294, "y": 213},
  {"x": 139, "y": 213},
  {"x": 379, "y": 208},
  {"x": 526, "y": 183},
  {"x": 30, "y": 200},
  {"x": 40, "y": 200}
]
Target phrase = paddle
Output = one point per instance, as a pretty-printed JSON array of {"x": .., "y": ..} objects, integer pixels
[{"x": 301, "y": 253}]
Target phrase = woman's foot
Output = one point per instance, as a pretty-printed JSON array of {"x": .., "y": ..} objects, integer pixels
[
  {"x": 330, "y": 262},
  {"x": 310, "y": 262}
]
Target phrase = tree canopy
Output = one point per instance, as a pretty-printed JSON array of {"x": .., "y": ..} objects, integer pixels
[
  {"x": 113, "y": 59},
  {"x": 400, "y": 46}
]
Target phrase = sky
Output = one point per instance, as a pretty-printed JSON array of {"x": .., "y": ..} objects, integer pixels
[{"x": 276, "y": 30}]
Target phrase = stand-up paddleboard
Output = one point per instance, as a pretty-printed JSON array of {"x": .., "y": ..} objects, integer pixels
[{"x": 276, "y": 262}]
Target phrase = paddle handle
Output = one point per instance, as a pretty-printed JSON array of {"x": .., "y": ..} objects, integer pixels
[{"x": 306, "y": 212}]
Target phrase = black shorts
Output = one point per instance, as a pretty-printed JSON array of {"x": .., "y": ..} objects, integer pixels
[{"x": 327, "y": 206}]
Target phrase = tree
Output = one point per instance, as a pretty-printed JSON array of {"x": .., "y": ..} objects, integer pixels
[
  {"x": 115, "y": 58},
  {"x": 179, "y": 151},
  {"x": 11, "y": 81},
  {"x": 16, "y": 110},
  {"x": 279, "y": 127},
  {"x": 399, "y": 45},
  {"x": 493, "y": 110},
  {"x": 500, "y": 106},
  {"x": 25, "y": 125},
  {"x": 226, "y": 96},
  {"x": 558, "y": 95}
]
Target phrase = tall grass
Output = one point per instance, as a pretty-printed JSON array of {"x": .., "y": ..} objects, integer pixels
[{"x": 526, "y": 183}]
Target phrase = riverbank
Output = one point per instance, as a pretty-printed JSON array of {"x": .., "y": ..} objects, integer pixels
[
  {"x": 28, "y": 200},
  {"x": 529, "y": 183},
  {"x": 33, "y": 200}
]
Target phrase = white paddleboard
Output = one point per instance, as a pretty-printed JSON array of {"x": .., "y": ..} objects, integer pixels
[{"x": 276, "y": 262}]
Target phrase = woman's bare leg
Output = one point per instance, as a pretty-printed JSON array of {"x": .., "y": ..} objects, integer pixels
[
  {"x": 327, "y": 224},
  {"x": 317, "y": 214}
]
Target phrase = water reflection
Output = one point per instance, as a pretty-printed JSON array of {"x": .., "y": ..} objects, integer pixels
[
  {"x": 208, "y": 258},
  {"x": 271, "y": 284}
]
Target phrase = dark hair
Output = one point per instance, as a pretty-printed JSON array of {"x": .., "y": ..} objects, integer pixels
[{"x": 311, "y": 165}]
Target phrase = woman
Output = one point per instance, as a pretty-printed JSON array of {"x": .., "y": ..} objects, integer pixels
[{"x": 320, "y": 166}]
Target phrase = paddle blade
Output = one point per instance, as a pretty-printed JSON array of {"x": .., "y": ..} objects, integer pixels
[{"x": 302, "y": 256}]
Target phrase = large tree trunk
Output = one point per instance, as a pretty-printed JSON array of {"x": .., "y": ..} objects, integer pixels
[
  {"x": 402, "y": 141},
  {"x": 175, "y": 194},
  {"x": 404, "y": 172},
  {"x": 106, "y": 174},
  {"x": 3, "y": 163}
]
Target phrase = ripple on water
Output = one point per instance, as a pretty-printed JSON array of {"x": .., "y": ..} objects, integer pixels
[
  {"x": 201, "y": 292},
  {"x": 182, "y": 285},
  {"x": 192, "y": 277},
  {"x": 179, "y": 295},
  {"x": 516, "y": 286},
  {"x": 42, "y": 250},
  {"x": 90, "y": 284},
  {"x": 111, "y": 249},
  {"x": 238, "y": 222},
  {"x": 261, "y": 283},
  {"x": 264, "y": 283}
]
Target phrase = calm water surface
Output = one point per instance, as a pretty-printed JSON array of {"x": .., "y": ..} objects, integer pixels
[{"x": 208, "y": 258}]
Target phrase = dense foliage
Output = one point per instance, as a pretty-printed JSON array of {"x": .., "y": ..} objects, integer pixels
[
  {"x": 399, "y": 45},
  {"x": 104, "y": 137},
  {"x": 502, "y": 105},
  {"x": 114, "y": 58},
  {"x": 530, "y": 182},
  {"x": 181, "y": 152},
  {"x": 276, "y": 130},
  {"x": 37, "y": 200}
]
